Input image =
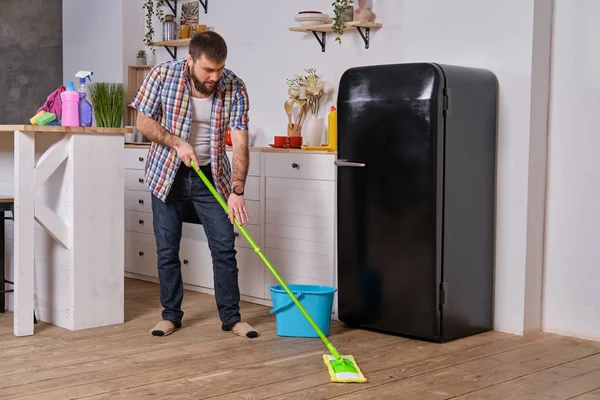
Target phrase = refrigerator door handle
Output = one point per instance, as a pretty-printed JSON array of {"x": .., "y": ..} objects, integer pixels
[{"x": 346, "y": 163}]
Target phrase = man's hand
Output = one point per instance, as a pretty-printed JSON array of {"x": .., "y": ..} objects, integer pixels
[
  {"x": 186, "y": 153},
  {"x": 237, "y": 209}
]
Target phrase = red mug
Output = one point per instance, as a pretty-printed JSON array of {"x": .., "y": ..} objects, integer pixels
[
  {"x": 295, "y": 141},
  {"x": 280, "y": 141}
]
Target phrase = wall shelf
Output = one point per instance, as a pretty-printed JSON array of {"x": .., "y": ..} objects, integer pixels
[
  {"x": 168, "y": 44},
  {"x": 323, "y": 29},
  {"x": 174, "y": 44}
]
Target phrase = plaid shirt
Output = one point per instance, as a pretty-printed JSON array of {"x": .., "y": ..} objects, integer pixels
[{"x": 165, "y": 96}]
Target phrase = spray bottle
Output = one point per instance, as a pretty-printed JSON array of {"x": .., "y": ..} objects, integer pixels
[
  {"x": 85, "y": 107},
  {"x": 69, "y": 99}
]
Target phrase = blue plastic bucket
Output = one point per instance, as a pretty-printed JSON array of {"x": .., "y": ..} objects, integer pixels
[{"x": 316, "y": 300}]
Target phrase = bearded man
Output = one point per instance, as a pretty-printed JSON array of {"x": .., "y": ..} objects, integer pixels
[{"x": 185, "y": 107}]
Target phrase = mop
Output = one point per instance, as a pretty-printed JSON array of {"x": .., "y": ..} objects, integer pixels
[{"x": 342, "y": 369}]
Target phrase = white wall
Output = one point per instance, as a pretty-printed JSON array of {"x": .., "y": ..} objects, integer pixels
[
  {"x": 499, "y": 36},
  {"x": 572, "y": 264},
  {"x": 133, "y": 33},
  {"x": 93, "y": 39}
]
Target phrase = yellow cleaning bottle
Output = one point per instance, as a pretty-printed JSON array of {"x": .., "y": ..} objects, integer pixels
[
  {"x": 331, "y": 133},
  {"x": 332, "y": 129}
]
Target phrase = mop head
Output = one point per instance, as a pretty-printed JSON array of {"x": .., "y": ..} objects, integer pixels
[{"x": 345, "y": 371}]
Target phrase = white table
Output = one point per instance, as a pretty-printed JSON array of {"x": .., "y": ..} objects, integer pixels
[{"x": 77, "y": 279}]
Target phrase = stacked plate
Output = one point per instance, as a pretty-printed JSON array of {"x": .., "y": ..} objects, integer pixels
[{"x": 305, "y": 18}]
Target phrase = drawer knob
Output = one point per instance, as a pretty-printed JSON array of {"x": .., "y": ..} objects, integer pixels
[
  {"x": 294, "y": 165},
  {"x": 141, "y": 201},
  {"x": 141, "y": 159},
  {"x": 141, "y": 180},
  {"x": 141, "y": 253},
  {"x": 185, "y": 261},
  {"x": 141, "y": 221}
]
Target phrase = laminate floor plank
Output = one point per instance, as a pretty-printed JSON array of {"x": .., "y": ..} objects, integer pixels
[
  {"x": 552, "y": 377},
  {"x": 200, "y": 361}
]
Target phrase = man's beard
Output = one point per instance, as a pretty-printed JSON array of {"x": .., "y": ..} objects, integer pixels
[{"x": 201, "y": 87}]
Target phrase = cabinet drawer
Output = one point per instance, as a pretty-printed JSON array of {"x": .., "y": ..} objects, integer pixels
[
  {"x": 137, "y": 200},
  {"x": 140, "y": 254},
  {"x": 240, "y": 240},
  {"x": 298, "y": 220},
  {"x": 139, "y": 222},
  {"x": 196, "y": 263},
  {"x": 297, "y": 165},
  {"x": 300, "y": 190},
  {"x": 301, "y": 246},
  {"x": 253, "y": 165},
  {"x": 252, "y": 189},
  {"x": 300, "y": 233},
  {"x": 304, "y": 265},
  {"x": 250, "y": 274},
  {"x": 135, "y": 179},
  {"x": 253, "y": 208},
  {"x": 135, "y": 158}
]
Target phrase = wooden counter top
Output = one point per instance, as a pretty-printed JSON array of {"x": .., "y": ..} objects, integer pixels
[
  {"x": 146, "y": 145},
  {"x": 64, "y": 129}
]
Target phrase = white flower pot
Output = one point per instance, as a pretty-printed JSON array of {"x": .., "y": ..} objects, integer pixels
[{"x": 313, "y": 132}]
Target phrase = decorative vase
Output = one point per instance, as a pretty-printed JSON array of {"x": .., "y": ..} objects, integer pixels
[
  {"x": 313, "y": 131},
  {"x": 361, "y": 14}
]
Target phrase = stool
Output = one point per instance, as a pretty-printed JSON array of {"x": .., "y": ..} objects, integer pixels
[{"x": 6, "y": 204}]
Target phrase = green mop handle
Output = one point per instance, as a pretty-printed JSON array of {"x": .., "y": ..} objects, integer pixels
[{"x": 257, "y": 250}]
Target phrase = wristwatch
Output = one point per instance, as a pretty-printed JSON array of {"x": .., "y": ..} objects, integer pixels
[{"x": 238, "y": 189}]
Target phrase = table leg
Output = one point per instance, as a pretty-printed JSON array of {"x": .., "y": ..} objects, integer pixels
[
  {"x": 2, "y": 271},
  {"x": 24, "y": 226}
]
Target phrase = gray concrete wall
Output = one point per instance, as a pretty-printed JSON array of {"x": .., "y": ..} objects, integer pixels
[{"x": 31, "y": 65}]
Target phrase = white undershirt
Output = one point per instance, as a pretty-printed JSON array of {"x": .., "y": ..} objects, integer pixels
[{"x": 200, "y": 131}]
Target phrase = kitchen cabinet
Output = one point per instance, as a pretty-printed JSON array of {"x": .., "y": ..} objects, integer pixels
[
  {"x": 290, "y": 197},
  {"x": 300, "y": 218}
]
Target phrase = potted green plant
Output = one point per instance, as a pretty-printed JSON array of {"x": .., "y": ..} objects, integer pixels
[
  {"x": 342, "y": 12},
  {"x": 152, "y": 7},
  {"x": 108, "y": 101},
  {"x": 141, "y": 57}
]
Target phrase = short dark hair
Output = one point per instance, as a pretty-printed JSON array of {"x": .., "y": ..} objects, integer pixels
[{"x": 210, "y": 44}]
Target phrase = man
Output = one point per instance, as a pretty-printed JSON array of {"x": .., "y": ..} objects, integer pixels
[{"x": 184, "y": 107}]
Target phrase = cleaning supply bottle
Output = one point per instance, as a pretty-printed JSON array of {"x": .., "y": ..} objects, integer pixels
[
  {"x": 70, "y": 106},
  {"x": 332, "y": 129},
  {"x": 85, "y": 107}
]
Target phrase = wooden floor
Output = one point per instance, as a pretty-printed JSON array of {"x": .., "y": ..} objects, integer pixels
[{"x": 200, "y": 361}]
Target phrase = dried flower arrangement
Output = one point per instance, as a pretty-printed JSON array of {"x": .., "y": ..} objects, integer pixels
[{"x": 306, "y": 90}]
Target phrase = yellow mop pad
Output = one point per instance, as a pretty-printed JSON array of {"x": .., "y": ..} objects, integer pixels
[{"x": 343, "y": 372}]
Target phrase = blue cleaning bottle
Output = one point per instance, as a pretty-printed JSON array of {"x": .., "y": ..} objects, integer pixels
[{"x": 85, "y": 107}]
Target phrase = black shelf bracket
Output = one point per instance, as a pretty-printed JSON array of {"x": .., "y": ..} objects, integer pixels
[
  {"x": 321, "y": 40},
  {"x": 173, "y": 6},
  {"x": 204, "y": 5},
  {"x": 365, "y": 36},
  {"x": 172, "y": 53}
]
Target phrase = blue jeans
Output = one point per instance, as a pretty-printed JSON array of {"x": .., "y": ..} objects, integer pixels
[{"x": 168, "y": 220}]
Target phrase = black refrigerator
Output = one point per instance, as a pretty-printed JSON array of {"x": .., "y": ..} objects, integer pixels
[{"x": 416, "y": 168}]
